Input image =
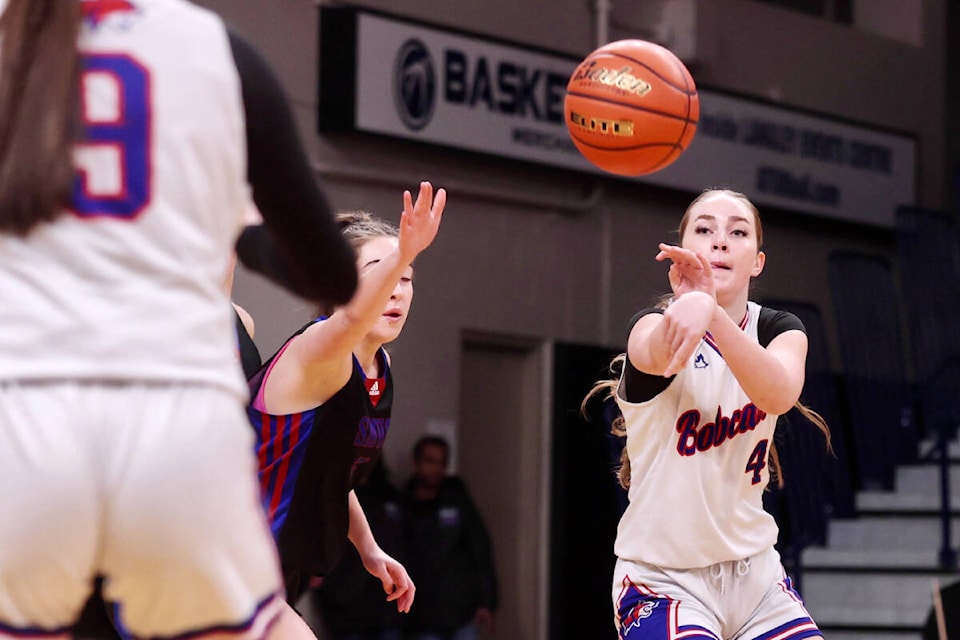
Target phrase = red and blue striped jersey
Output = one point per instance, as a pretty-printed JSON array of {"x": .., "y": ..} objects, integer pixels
[{"x": 310, "y": 460}]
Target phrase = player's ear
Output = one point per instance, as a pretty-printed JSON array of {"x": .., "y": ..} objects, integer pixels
[{"x": 758, "y": 265}]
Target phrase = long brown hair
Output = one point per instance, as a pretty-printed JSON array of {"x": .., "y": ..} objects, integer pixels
[
  {"x": 607, "y": 388},
  {"x": 39, "y": 84}
]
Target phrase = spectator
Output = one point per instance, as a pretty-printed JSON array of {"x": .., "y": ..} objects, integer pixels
[{"x": 448, "y": 551}]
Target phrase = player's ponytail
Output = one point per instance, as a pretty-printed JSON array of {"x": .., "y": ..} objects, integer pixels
[
  {"x": 606, "y": 390},
  {"x": 39, "y": 76}
]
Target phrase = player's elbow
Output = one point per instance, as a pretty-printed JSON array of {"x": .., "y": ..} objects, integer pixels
[{"x": 777, "y": 401}]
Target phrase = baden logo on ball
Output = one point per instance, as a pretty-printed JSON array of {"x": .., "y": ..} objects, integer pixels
[{"x": 631, "y": 107}]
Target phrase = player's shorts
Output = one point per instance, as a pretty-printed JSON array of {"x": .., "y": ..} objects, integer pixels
[
  {"x": 750, "y": 599},
  {"x": 154, "y": 487}
]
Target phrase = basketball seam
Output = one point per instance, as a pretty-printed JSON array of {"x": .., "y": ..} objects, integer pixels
[
  {"x": 586, "y": 143},
  {"x": 666, "y": 159}
]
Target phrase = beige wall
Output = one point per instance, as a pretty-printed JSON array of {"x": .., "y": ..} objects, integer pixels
[{"x": 533, "y": 251}]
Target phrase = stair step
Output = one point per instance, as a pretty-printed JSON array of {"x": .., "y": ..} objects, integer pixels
[
  {"x": 874, "y": 579},
  {"x": 928, "y": 446},
  {"x": 924, "y": 479},
  {"x": 908, "y": 533},
  {"x": 885, "y": 501},
  {"x": 890, "y": 559},
  {"x": 895, "y": 600}
]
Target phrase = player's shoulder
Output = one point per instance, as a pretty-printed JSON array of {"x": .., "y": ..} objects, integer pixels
[
  {"x": 772, "y": 322},
  {"x": 776, "y": 317},
  {"x": 642, "y": 314},
  {"x": 126, "y": 14},
  {"x": 158, "y": 32}
]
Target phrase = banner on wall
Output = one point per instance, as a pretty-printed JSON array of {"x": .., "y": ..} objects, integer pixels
[{"x": 385, "y": 75}]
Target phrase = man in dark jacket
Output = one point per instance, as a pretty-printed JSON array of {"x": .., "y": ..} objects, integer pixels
[{"x": 448, "y": 551}]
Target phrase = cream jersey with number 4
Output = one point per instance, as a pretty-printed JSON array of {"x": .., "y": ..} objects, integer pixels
[
  {"x": 698, "y": 455},
  {"x": 127, "y": 285}
]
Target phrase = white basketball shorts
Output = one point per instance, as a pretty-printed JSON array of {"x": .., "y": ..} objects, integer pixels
[{"x": 152, "y": 486}]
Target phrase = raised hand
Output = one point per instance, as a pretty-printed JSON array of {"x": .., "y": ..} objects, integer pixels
[
  {"x": 689, "y": 270},
  {"x": 420, "y": 220}
]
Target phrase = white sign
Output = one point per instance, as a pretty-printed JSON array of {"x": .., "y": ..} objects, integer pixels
[{"x": 427, "y": 84}]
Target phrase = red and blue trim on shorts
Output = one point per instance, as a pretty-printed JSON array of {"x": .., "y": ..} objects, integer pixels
[
  {"x": 644, "y": 614},
  {"x": 265, "y": 616},
  {"x": 797, "y": 629},
  {"x": 35, "y": 633}
]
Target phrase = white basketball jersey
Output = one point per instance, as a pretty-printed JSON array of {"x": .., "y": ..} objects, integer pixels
[
  {"x": 699, "y": 460},
  {"x": 129, "y": 283}
]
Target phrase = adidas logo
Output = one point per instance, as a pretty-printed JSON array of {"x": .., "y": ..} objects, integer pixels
[{"x": 373, "y": 390}]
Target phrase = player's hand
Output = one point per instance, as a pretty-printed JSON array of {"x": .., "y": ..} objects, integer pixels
[
  {"x": 396, "y": 582},
  {"x": 685, "y": 323},
  {"x": 689, "y": 270},
  {"x": 420, "y": 220}
]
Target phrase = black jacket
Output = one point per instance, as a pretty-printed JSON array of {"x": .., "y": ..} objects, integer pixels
[{"x": 449, "y": 558}]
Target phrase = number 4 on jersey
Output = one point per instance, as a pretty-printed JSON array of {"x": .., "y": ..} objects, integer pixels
[{"x": 757, "y": 461}]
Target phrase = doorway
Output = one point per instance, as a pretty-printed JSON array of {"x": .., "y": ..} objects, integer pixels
[{"x": 503, "y": 455}]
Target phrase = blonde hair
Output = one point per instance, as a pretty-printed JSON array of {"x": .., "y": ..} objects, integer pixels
[{"x": 360, "y": 227}]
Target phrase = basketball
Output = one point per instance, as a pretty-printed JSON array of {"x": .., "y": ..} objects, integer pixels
[{"x": 631, "y": 107}]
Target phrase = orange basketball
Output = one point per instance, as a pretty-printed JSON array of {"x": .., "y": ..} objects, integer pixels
[{"x": 631, "y": 107}]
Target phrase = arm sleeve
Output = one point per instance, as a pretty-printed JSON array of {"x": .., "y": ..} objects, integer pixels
[
  {"x": 300, "y": 246},
  {"x": 637, "y": 385},
  {"x": 772, "y": 323}
]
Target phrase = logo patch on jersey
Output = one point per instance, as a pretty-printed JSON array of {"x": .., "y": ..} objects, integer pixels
[
  {"x": 371, "y": 432},
  {"x": 375, "y": 388},
  {"x": 449, "y": 516},
  {"x": 95, "y": 11},
  {"x": 700, "y": 362}
]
